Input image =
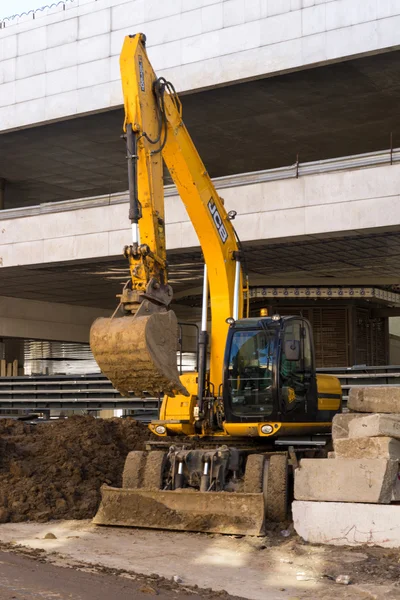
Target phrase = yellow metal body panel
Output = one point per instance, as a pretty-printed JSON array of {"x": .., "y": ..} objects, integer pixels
[
  {"x": 203, "y": 204},
  {"x": 329, "y": 385},
  {"x": 141, "y": 111},
  {"x": 179, "y": 408}
]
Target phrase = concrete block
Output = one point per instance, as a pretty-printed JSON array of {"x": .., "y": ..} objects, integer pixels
[
  {"x": 59, "y": 105},
  {"x": 154, "y": 9},
  {"x": 376, "y": 425},
  {"x": 201, "y": 47},
  {"x": 346, "y": 480},
  {"x": 7, "y": 120},
  {"x": 387, "y": 30},
  {"x": 277, "y": 7},
  {"x": 95, "y": 23},
  {"x": 189, "y": 23},
  {"x": 64, "y": 32},
  {"x": 347, "y": 524},
  {"x": 367, "y": 447},
  {"x": 163, "y": 56},
  {"x": 314, "y": 19},
  {"x": 32, "y": 40},
  {"x": 7, "y": 70},
  {"x": 66, "y": 56},
  {"x": 116, "y": 41},
  {"x": 8, "y": 47},
  {"x": 30, "y": 88},
  {"x": 252, "y": 10},
  {"x": 234, "y": 11},
  {"x": 212, "y": 17},
  {"x": 387, "y": 8},
  {"x": 30, "y": 64},
  {"x": 7, "y": 93},
  {"x": 94, "y": 73},
  {"x": 281, "y": 28},
  {"x": 61, "y": 81},
  {"x": 127, "y": 15},
  {"x": 94, "y": 48},
  {"x": 94, "y": 97},
  {"x": 375, "y": 400},
  {"x": 240, "y": 37}
]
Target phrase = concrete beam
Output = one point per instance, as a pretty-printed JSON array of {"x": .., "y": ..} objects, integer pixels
[
  {"x": 313, "y": 206},
  {"x": 32, "y": 319},
  {"x": 65, "y": 62}
]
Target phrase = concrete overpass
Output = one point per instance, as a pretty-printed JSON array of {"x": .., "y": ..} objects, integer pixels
[{"x": 263, "y": 82}]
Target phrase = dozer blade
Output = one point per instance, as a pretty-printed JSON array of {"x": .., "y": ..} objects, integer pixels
[
  {"x": 212, "y": 512},
  {"x": 138, "y": 354}
]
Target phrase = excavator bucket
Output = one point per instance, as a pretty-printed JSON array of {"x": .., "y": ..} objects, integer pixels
[
  {"x": 183, "y": 510},
  {"x": 138, "y": 353}
]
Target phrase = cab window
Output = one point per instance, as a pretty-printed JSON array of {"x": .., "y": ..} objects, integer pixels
[
  {"x": 250, "y": 372},
  {"x": 295, "y": 375}
]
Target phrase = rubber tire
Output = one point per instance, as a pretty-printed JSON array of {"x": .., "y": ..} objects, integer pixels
[
  {"x": 154, "y": 470},
  {"x": 132, "y": 476},
  {"x": 253, "y": 475},
  {"x": 276, "y": 500}
]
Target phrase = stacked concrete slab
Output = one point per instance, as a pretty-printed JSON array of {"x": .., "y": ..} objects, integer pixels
[{"x": 346, "y": 492}]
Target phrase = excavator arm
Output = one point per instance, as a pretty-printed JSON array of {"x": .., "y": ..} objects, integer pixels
[{"x": 154, "y": 132}]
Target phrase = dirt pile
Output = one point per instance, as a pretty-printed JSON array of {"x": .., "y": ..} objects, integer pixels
[{"x": 55, "y": 470}]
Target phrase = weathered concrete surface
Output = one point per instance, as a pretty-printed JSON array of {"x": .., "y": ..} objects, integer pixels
[
  {"x": 65, "y": 61},
  {"x": 375, "y": 400},
  {"x": 346, "y": 480},
  {"x": 344, "y": 524},
  {"x": 367, "y": 447},
  {"x": 375, "y": 425},
  {"x": 340, "y": 425}
]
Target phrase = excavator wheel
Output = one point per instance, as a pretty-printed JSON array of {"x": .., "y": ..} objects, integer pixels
[
  {"x": 154, "y": 470},
  {"x": 132, "y": 477},
  {"x": 253, "y": 475},
  {"x": 275, "y": 488}
]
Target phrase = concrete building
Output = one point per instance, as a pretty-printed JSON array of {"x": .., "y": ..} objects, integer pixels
[{"x": 293, "y": 105}]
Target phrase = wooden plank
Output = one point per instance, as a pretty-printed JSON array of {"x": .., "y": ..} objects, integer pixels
[
  {"x": 15, "y": 368},
  {"x": 3, "y": 368},
  {"x": 9, "y": 369}
]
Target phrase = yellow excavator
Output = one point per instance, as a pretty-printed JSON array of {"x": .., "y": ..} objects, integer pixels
[{"x": 229, "y": 433}]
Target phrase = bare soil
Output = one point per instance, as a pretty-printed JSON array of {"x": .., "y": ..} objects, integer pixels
[{"x": 55, "y": 470}]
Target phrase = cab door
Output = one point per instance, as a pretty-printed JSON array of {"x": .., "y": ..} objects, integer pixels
[{"x": 297, "y": 379}]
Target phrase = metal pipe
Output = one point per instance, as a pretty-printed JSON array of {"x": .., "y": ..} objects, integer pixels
[
  {"x": 203, "y": 343},
  {"x": 204, "y": 306},
  {"x": 236, "y": 294},
  {"x": 134, "y": 206}
]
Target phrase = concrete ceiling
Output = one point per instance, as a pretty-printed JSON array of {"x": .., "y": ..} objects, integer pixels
[
  {"x": 341, "y": 109},
  {"x": 368, "y": 259}
]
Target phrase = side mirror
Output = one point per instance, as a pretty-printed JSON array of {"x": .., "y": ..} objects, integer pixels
[{"x": 292, "y": 350}]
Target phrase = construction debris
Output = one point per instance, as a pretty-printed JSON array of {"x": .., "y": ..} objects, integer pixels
[
  {"x": 367, "y": 447},
  {"x": 346, "y": 480},
  {"x": 374, "y": 400},
  {"x": 364, "y": 469},
  {"x": 55, "y": 470}
]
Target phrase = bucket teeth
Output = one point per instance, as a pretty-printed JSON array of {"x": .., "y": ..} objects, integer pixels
[{"x": 138, "y": 354}]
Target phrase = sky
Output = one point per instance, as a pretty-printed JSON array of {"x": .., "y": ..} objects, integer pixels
[{"x": 12, "y": 7}]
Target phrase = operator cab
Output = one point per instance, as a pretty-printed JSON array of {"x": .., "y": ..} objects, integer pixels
[{"x": 270, "y": 371}]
